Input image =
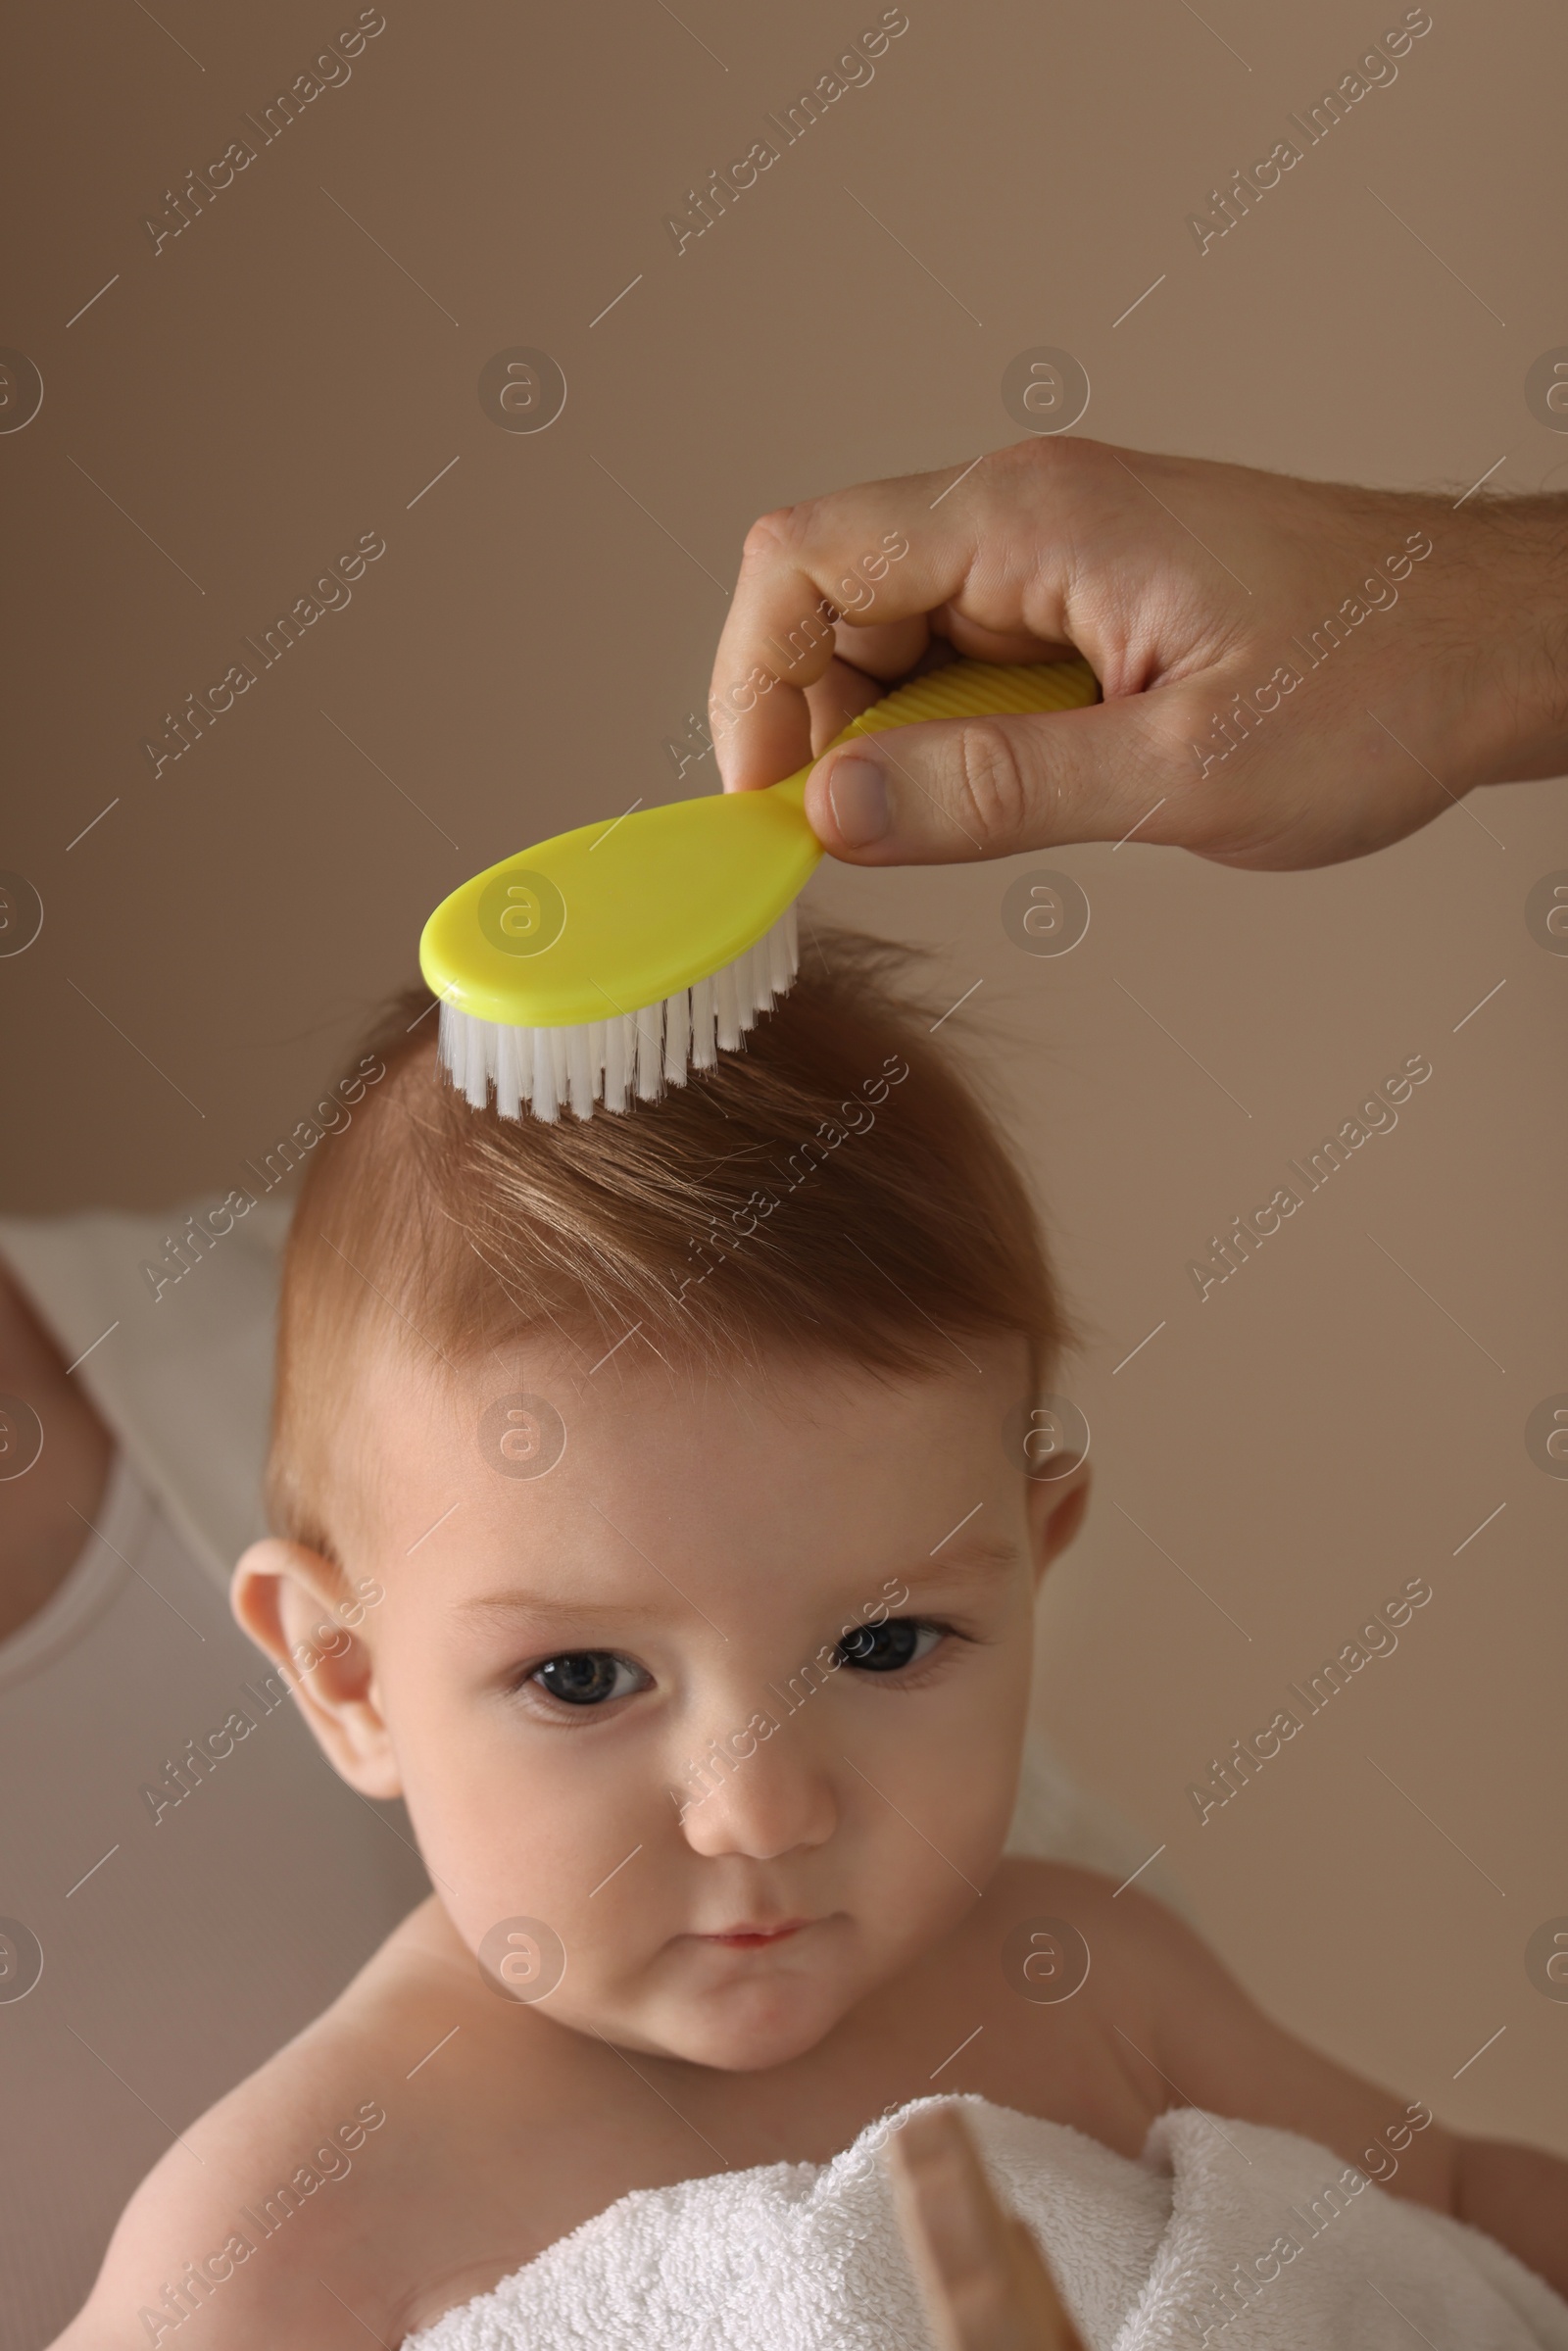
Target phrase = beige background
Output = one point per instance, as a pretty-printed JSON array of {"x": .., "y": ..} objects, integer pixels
[{"x": 272, "y": 383}]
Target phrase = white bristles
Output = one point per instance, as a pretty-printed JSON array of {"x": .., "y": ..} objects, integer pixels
[
  {"x": 616, "y": 1065},
  {"x": 650, "y": 1052},
  {"x": 630, "y": 1057},
  {"x": 509, "y": 1071},
  {"x": 677, "y": 1035},
  {"x": 476, "y": 1075},
  {"x": 449, "y": 1048},
  {"x": 702, "y": 1053},
  {"x": 726, "y": 1007},
  {"x": 780, "y": 970},
  {"x": 544, "y": 1101},
  {"x": 581, "y": 1087},
  {"x": 762, "y": 985}
]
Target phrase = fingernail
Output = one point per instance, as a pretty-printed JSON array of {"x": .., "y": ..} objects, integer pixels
[{"x": 858, "y": 794}]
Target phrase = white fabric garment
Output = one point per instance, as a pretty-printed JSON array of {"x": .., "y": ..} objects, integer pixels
[
  {"x": 183, "y": 1378},
  {"x": 178, "y": 1953},
  {"x": 806, "y": 2257}
]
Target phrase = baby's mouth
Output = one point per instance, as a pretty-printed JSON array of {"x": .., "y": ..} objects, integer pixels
[{"x": 750, "y": 1936}]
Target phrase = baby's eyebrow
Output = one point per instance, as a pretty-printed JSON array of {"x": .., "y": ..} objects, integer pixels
[
  {"x": 538, "y": 1603},
  {"x": 964, "y": 1563},
  {"x": 970, "y": 1562}
]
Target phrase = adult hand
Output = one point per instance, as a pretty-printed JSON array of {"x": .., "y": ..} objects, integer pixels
[
  {"x": 1293, "y": 672},
  {"x": 986, "y": 2287}
]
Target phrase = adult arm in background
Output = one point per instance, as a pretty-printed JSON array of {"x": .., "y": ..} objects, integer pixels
[
  {"x": 1293, "y": 672},
  {"x": 47, "y": 1506}
]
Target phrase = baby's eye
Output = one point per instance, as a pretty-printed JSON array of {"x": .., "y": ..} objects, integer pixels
[
  {"x": 588, "y": 1677},
  {"x": 887, "y": 1649}
]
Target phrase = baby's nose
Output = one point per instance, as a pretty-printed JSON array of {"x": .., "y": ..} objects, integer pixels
[{"x": 763, "y": 1798}]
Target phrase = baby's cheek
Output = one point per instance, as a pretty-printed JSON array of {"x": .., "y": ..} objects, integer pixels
[
  {"x": 955, "y": 1778},
  {"x": 489, "y": 1830}
]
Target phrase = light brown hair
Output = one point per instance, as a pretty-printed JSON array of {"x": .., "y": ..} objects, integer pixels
[{"x": 835, "y": 1187}]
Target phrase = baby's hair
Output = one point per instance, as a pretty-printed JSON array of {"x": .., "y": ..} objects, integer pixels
[{"x": 837, "y": 1187}]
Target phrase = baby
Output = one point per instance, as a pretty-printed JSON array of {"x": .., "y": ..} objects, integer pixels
[{"x": 652, "y": 1515}]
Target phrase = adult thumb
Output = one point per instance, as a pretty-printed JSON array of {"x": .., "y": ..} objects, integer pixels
[{"x": 960, "y": 789}]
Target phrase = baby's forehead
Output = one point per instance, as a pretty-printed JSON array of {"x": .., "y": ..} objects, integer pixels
[
  {"x": 623, "y": 1450},
  {"x": 612, "y": 1383}
]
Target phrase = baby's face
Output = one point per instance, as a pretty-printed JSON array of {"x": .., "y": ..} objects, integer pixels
[{"x": 730, "y": 1699}]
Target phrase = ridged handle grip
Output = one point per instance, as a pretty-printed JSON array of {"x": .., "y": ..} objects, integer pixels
[{"x": 965, "y": 690}]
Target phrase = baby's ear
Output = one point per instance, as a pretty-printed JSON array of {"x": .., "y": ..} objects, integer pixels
[
  {"x": 1056, "y": 1507},
  {"x": 295, "y": 1605}
]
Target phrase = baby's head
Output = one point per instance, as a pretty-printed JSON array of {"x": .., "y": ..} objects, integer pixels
[{"x": 650, "y": 1514}]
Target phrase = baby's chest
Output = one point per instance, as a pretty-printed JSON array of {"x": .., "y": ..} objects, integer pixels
[
  {"x": 527, "y": 2173},
  {"x": 1057, "y": 2059},
  {"x": 520, "y": 2189}
]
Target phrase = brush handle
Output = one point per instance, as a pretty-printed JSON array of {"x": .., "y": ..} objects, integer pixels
[{"x": 964, "y": 690}]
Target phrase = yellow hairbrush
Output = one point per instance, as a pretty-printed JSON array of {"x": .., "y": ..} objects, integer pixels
[{"x": 606, "y": 963}]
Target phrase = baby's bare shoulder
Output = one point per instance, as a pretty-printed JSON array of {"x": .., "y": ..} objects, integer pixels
[
  {"x": 304, "y": 2206},
  {"x": 1119, "y": 1917},
  {"x": 1125, "y": 1945}
]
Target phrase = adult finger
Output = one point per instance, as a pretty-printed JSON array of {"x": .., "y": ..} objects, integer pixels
[
  {"x": 977, "y": 643},
  {"x": 888, "y": 649},
  {"x": 813, "y": 576},
  {"x": 986, "y": 2287},
  {"x": 850, "y": 684},
  {"x": 839, "y": 694},
  {"x": 960, "y": 789},
  {"x": 800, "y": 593}
]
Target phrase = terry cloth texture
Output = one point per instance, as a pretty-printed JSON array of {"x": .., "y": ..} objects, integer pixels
[{"x": 1192, "y": 2244}]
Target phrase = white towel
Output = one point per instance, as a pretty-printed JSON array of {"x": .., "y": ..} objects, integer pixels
[{"x": 806, "y": 2257}]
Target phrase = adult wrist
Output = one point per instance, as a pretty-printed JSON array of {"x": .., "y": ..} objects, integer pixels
[{"x": 1513, "y": 578}]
